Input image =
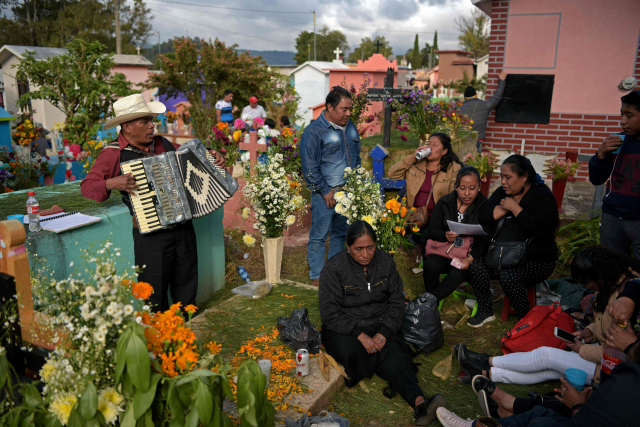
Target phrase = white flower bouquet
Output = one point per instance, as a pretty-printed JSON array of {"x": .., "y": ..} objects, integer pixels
[
  {"x": 360, "y": 198},
  {"x": 274, "y": 198}
]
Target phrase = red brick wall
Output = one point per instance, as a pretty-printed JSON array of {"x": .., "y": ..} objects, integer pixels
[{"x": 565, "y": 132}]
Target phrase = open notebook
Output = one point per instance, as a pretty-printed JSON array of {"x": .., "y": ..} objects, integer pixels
[{"x": 64, "y": 221}]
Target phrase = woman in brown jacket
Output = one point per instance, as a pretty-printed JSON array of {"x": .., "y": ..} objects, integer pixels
[{"x": 430, "y": 178}]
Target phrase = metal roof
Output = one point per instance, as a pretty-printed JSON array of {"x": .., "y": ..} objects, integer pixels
[{"x": 47, "y": 52}]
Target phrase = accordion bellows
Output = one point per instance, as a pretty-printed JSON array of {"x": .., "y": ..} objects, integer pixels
[{"x": 176, "y": 186}]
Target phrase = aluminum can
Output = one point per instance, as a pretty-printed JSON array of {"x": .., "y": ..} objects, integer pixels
[
  {"x": 423, "y": 153},
  {"x": 302, "y": 363}
]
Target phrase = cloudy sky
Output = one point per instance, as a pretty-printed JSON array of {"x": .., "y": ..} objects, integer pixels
[{"x": 275, "y": 24}]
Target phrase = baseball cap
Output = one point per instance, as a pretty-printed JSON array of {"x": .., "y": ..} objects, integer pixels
[{"x": 253, "y": 99}]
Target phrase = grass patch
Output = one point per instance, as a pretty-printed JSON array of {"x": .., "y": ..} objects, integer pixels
[
  {"x": 413, "y": 141},
  {"x": 67, "y": 196}
]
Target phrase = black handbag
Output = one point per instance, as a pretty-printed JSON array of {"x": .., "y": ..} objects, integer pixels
[{"x": 505, "y": 254}]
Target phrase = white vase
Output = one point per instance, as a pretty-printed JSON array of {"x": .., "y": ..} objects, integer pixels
[
  {"x": 169, "y": 127},
  {"x": 23, "y": 150},
  {"x": 273, "y": 258}
]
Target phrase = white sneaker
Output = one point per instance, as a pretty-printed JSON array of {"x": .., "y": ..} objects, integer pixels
[{"x": 449, "y": 419}]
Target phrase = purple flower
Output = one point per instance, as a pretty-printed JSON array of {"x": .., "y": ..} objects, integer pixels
[
  {"x": 390, "y": 100},
  {"x": 286, "y": 157},
  {"x": 412, "y": 81},
  {"x": 402, "y": 137}
]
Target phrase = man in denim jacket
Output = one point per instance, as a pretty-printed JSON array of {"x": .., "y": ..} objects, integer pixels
[{"x": 328, "y": 145}]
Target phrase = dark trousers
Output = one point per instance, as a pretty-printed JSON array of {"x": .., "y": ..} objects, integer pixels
[
  {"x": 433, "y": 267},
  {"x": 524, "y": 404},
  {"x": 394, "y": 363},
  {"x": 620, "y": 235},
  {"x": 538, "y": 416},
  {"x": 514, "y": 281},
  {"x": 169, "y": 259}
]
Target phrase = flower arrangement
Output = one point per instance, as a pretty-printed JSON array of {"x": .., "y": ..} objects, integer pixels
[
  {"x": 186, "y": 118},
  {"x": 25, "y": 133},
  {"x": 561, "y": 168},
  {"x": 453, "y": 119},
  {"x": 287, "y": 145},
  {"x": 171, "y": 117},
  {"x": 47, "y": 170},
  {"x": 392, "y": 226},
  {"x": 275, "y": 198},
  {"x": 360, "y": 198},
  {"x": 485, "y": 163},
  {"x": 222, "y": 140},
  {"x": 359, "y": 98},
  {"x": 417, "y": 113},
  {"x": 88, "y": 157}
]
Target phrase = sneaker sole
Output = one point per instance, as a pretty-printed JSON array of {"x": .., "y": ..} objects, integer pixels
[
  {"x": 487, "y": 320},
  {"x": 484, "y": 404},
  {"x": 431, "y": 411}
]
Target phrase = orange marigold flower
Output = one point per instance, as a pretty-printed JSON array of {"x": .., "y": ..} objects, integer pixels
[
  {"x": 403, "y": 212},
  {"x": 214, "y": 347},
  {"x": 415, "y": 229},
  {"x": 191, "y": 308},
  {"x": 142, "y": 290}
]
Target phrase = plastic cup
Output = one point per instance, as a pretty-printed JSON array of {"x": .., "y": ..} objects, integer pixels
[
  {"x": 17, "y": 216},
  {"x": 265, "y": 367},
  {"x": 576, "y": 377}
]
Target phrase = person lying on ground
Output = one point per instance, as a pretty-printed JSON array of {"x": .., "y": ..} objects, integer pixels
[
  {"x": 361, "y": 306},
  {"x": 597, "y": 268}
]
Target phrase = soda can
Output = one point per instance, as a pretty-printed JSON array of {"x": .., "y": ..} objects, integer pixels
[
  {"x": 423, "y": 154},
  {"x": 302, "y": 363}
]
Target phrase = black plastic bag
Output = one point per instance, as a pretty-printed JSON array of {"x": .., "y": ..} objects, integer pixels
[
  {"x": 297, "y": 331},
  {"x": 323, "y": 417},
  {"x": 421, "y": 323}
]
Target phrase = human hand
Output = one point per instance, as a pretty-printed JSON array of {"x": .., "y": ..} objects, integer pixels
[
  {"x": 367, "y": 342},
  {"x": 575, "y": 345},
  {"x": 503, "y": 75},
  {"x": 465, "y": 263},
  {"x": 423, "y": 147},
  {"x": 451, "y": 236},
  {"x": 379, "y": 340},
  {"x": 219, "y": 158},
  {"x": 620, "y": 338},
  {"x": 570, "y": 396},
  {"x": 328, "y": 198},
  {"x": 511, "y": 205},
  {"x": 621, "y": 309},
  {"x": 585, "y": 335},
  {"x": 610, "y": 143},
  {"x": 124, "y": 183}
]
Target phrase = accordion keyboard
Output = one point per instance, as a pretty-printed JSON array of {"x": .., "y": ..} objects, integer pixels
[
  {"x": 204, "y": 193},
  {"x": 144, "y": 199}
]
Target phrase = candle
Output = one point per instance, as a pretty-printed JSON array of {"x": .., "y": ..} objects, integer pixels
[{"x": 522, "y": 148}]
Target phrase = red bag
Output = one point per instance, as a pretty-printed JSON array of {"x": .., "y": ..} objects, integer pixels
[
  {"x": 448, "y": 249},
  {"x": 536, "y": 330}
]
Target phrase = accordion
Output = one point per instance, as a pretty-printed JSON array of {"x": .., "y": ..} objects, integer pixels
[{"x": 176, "y": 186}]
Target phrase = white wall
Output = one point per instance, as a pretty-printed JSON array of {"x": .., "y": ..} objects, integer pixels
[{"x": 312, "y": 86}]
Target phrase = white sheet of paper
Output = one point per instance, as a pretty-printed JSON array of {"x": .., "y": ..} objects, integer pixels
[
  {"x": 26, "y": 217},
  {"x": 466, "y": 229}
]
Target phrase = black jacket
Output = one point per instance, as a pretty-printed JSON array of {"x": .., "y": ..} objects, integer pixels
[
  {"x": 538, "y": 220},
  {"x": 347, "y": 304},
  {"x": 447, "y": 209}
]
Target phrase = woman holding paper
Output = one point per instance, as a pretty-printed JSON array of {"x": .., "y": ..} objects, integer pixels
[{"x": 460, "y": 206}]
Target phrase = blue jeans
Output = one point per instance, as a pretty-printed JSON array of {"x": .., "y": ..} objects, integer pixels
[
  {"x": 323, "y": 222},
  {"x": 538, "y": 416}
]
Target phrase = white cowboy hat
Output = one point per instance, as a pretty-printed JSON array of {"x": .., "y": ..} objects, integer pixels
[{"x": 133, "y": 107}]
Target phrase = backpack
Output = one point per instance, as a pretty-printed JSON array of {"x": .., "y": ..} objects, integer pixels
[{"x": 536, "y": 330}]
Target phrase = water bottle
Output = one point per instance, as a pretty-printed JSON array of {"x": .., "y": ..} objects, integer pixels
[
  {"x": 243, "y": 274},
  {"x": 33, "y": 210}
]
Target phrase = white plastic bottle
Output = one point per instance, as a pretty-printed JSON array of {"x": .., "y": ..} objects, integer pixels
[{"x": 33, "y": 210}]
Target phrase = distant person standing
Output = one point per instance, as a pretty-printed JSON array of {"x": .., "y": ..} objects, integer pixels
[
  {"x": 284, "y": 123},
  {"x": 478, "y": 110},
  {"x": 618, "y": 162},
  {"x": 253, "y": 109},
  {"x": 224, "y": 109}
]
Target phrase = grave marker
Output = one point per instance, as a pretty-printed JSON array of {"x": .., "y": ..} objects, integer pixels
[
  {"x": 384, "y": 95},
  {"x": 338, "y": 51},
  {"x": 253, "y": 148}
]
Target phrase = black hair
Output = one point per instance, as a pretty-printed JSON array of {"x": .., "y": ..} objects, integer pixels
[
  {"x": 335, "y": 96},
  {"x": 633, "y": 99},
  {"x": 358, "y": 229},
  {"x": 450, "y": 156},
  {"x": 604, "y": 267},
  {"x": 467, "y": 170},
  {"x": 271, "y": 123},
  {"x": 228, "y": 92},
  {"x": 521, "y": 166},
  {"x": 285, "y": 121}
]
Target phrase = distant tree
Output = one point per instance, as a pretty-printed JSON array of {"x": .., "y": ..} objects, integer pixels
[
  {"x": 479, "y": 85},
  {"x": 367, "y": 48},
  {"x": 326, "y": 42},
  {"x": 435, "y": 49},
  {"x": 425, "y": 54},
  {"x": 475, "y": 33},
  {"x": 416, "y": 60}
]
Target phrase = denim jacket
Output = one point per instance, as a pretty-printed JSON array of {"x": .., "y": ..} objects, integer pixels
[{"x": 326, "y": 151}]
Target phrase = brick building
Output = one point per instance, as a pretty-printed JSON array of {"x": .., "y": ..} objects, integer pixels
[{"x": 588, "y": 45}]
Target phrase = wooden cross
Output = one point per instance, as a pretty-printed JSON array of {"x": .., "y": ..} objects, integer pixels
[
  {"x": 384, "y": 95},
  {"x": 378, "y": 44},
  {"x": 338, "y": 51},
  {"x": 253, "y": 148},
  {"x": 138, "y": 49}
]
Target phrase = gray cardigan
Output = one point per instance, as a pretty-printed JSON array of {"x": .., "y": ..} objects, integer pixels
[{"x": 479, "y": 110}]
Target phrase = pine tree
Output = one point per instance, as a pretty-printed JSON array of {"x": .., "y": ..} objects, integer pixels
[
  {"x": 416, "y": 60},
  {"x": 435, "y": 48}
]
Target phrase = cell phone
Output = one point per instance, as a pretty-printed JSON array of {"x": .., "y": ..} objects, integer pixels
[
  {"x": 617, "y": 150},
  {"x": 564, "y": 335},
  {"x": 456, "y": 263}
]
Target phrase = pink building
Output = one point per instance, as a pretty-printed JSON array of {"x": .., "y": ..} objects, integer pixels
[
  {"x": 589, "y": 46},
  {"x": 376, "y": 67},
  {"x": 136, "y": 69}
]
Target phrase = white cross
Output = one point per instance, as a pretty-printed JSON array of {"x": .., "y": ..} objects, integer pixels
[
  {"x": 138, "y": 49},
  {"x": 338, "y": 51}
]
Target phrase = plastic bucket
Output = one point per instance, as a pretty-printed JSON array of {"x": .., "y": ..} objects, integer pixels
[{"x": 576, "y": 377}]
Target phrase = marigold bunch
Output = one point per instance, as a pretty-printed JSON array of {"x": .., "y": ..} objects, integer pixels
[
  {"x": 360, "y": 198},
  {"x": 222, "y": 140},
  {"x": 25, "y": 133},
  {"x": 392, "y": 226}
]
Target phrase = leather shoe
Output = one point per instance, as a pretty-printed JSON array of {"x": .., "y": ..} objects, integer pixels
[
  {"x": 481, "y": 358},
  {"x": 426, "y": 411},
  {"x": 468, "y": 365},
  {"x": 315, "y": 282},
  {"x": 480, "y": 382}
]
